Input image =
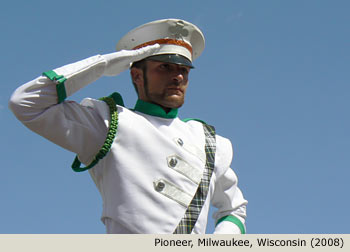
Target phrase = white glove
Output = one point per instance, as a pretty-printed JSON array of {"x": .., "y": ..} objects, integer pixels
[{"x": 119, "y": 61}]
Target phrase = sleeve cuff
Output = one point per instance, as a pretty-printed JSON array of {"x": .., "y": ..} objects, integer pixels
[{"x": 234, "y": 220}]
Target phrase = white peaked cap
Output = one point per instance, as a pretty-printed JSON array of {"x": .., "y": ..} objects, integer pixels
[{"x": 175, "y": 37}]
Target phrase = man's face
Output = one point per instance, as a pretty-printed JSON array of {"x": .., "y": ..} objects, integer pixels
[{"x": 163, "y": 83}]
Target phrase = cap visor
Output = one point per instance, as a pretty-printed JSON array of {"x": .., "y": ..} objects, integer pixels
[{"x": 172, "y": 58}]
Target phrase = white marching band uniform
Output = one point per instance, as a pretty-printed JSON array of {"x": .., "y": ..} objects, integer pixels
[{"x": 155, "y": 164}]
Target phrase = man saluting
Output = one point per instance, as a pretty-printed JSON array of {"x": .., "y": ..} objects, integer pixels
[{"x": 155, "y": 172}]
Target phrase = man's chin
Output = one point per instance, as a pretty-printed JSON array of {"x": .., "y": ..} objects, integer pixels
[{"x": 173, "y": 103}]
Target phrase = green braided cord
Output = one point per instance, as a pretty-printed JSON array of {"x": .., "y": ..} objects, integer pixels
[{"x": 109, "y": 139}]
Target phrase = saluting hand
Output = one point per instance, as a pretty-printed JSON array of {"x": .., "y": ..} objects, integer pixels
[{"x": 120, "y": 61}]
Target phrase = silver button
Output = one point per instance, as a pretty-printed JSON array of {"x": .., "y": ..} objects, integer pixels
[
  {"x": 173, "y": 162},
  {"x": 180, "y": 142},
  {"x": 160, "y": 186}
]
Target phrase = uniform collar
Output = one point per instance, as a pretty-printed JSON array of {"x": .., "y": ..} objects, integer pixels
[{"x": 154, "y": 110}]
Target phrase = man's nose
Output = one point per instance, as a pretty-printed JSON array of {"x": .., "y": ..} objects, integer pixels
[{"x": 178, "y": 77}]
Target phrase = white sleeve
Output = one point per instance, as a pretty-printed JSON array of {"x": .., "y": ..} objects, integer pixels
[
  {"x": 227, "y": 198},
  {"x": 80, "y": 129}
]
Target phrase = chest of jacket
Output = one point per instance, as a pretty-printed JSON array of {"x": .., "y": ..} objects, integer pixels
[{"x": 151, "y": 172}]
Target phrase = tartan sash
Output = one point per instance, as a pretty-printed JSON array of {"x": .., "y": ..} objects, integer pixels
[{"x": 192, "y": 213}]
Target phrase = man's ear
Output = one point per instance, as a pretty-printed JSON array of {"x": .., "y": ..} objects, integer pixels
[{"x": 136, "y": 75}]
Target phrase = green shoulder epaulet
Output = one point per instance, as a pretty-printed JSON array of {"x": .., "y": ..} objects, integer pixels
[
  {"x": 193, "y": 119},
  {"x": 111, "y": 101}
]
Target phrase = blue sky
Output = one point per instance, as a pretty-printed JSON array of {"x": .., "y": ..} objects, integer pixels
[{"x": 273, "y": 78}]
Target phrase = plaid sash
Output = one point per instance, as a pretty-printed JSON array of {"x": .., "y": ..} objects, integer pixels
[{"x": 192, "y": 213}]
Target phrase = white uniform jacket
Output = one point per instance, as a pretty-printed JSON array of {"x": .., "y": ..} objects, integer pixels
[{"x": 156, "y": 161}]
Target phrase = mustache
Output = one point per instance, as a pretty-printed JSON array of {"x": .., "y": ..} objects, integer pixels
[
  {"x": 175, "y": 84},
  {"x": 175, "y": 87}
]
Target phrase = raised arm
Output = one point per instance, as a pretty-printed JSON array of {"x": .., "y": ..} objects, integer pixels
[{"x": 40, "y": 104}]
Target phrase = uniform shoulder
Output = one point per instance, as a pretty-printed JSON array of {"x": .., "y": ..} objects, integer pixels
[
  {"x": 224, "y": 153},
  {"x": 91, "y": 102},
  {"x": 224, "y": 150}
]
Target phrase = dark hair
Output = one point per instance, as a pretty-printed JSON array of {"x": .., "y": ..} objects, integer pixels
[{"x": 141, "y": 64}]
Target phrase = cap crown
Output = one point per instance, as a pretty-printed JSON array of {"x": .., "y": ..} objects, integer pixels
[{"x": 174, "y": 36}]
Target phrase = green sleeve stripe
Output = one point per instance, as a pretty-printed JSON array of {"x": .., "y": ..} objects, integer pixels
[
  {"x": 61, "y": 92},
  {"x": 234, "y": 220},
  {"x": 59, "y": 80},
  {"x": 52, "y": 75}
]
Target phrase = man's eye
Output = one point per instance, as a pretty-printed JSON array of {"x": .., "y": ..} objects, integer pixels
[
  {"x": 165, "y": 66},
  {"x": 185, "y": 70}
]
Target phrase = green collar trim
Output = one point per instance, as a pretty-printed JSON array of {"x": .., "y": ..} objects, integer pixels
[{"x": 154, "y": 110}]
